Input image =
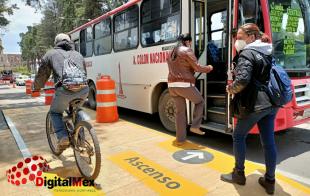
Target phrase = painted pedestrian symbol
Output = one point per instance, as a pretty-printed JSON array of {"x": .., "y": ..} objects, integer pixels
[{"x": 192, "y": 156}]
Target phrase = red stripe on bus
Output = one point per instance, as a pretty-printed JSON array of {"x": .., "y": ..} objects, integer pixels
[{"x": 267, "y": 25}]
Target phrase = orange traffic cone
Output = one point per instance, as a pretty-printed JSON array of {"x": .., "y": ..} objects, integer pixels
[{"x": 106, "y": 100}]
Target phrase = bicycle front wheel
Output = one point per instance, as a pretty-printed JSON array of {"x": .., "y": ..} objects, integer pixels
[
  {"x": 87, "y": 150},
  {"x": 51, "y": 136}
]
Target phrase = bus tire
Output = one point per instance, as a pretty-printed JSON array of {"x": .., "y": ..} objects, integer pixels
[
  {"x": 92, "y": 96},
  {"x": 167, "y": 111}
]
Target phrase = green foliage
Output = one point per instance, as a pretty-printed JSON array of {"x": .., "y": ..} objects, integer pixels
[
  {"x": 5, "y": 9},
  {"x": 108, "y": 5},
  {"x": 28, "y": 45},
  {"x": 23, "y": 70}
]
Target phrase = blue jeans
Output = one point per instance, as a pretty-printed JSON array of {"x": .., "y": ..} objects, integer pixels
[
  {"x": 60, "y": 103},
  {"x": 265, "y": 121}
]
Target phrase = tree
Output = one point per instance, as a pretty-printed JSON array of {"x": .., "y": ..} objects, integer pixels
[
  {"x": 92, "y": 9},
  {"x": 69, "y": 15},
  {"x": 28, "y": 46},
  {"x": 5, "y": 9},
  {"x": 108, "y": 5}
]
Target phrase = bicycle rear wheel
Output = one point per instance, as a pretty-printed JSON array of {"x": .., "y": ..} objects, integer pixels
[
  {"x": 51, "y": 136},
  {"x": 87, "y": 150}
]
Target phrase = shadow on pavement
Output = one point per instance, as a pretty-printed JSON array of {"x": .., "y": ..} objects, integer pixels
[
  {"x": 15, "y": 96},
  {"x": 21, "y": 105},
  {"x": 255, "y": 188},
  {"x": 68, "y": 168}
]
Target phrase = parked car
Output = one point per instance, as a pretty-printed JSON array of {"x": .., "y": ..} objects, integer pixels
[
  {"x": 7, "y": 75},
  {"x": 20, "y": 81}
]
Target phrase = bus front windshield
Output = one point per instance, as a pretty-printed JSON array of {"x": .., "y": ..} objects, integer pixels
[{"x": 290, "y": 33}]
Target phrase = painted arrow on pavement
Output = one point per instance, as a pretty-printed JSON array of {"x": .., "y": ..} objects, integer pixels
[{"x": 191, "y": 155}]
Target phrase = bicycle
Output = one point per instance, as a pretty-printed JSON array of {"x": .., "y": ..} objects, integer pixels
[{"x": 80, "y": 133}]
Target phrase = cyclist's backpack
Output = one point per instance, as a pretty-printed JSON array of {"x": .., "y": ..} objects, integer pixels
[
  {"x": 278, "y": 87},
  {"x": 73, "y": 74}
]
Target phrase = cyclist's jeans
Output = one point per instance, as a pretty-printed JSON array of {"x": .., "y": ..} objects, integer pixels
[
  {"x": 265, "y": 122},
  {"x": 60, "y": 103}
]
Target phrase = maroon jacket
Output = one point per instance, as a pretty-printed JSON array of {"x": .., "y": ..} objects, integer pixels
[{"x": 183, "y": 64}]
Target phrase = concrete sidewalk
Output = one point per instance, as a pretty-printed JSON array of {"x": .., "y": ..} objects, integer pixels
[{"x": 135, "y": 161}]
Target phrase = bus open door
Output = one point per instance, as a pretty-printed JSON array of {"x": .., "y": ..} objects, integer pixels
[{"x": 209, "y": 28}]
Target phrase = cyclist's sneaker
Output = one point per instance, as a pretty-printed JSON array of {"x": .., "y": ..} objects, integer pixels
[{"x": 63, "y": 143}]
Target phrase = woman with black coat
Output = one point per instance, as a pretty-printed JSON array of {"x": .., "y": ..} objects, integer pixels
[{"x": 251, "y": 105}]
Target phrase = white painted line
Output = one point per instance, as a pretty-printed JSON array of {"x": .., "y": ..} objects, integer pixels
[
  {"x": 295, "y": 177},
  {"x": 18, "y": 138}
]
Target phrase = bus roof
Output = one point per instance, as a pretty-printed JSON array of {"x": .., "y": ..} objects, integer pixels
[{"x": 110, "y": 13}]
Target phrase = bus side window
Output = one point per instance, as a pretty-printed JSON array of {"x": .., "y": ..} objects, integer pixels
[
  {"x": 126, "y": 29},
  {"x": 103, "y": 37},
  {"x": 86, "y": 42},
  {"x": 250, "y": 12},
  {"x": 160, "y": 21},
  {"x": 199, "y": 28},
  {"x": 217, "y": 45}
]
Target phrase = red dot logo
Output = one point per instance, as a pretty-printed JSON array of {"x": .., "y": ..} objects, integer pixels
[
  {"x": 18, "y": 174},
  {"x": 24, "y": 181},
  {"x": 39, "y": 173},
  {"x": 32, "y": 177},
  {"x": 26, "y": 171},
  {"x": 27, "y": 160},
  {"x": 33, "y": 167},
  {"x": 20, "y": 165}
]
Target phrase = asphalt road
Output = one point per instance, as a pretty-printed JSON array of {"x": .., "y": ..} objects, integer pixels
[{"x": 293, "y": 144}]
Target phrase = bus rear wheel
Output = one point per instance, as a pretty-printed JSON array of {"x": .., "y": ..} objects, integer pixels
[
  {"x": 92, "y": 96},
  {"x": 167, "y": 111}
]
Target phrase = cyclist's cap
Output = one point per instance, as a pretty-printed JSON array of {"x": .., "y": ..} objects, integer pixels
[{"x": 61, "y": 37}]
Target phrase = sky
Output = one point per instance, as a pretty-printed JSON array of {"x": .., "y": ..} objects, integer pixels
[{"x": 23, "y": 17}]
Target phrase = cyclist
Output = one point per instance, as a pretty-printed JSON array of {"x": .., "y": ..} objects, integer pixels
[{"x": 54, "y": 61}]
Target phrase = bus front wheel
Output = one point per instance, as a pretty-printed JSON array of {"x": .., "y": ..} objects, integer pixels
[
  {"x": 92, "y": 96},
  {"x": 167, "y": 111}
]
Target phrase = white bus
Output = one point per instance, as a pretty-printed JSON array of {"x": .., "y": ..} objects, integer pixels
[{"x": 132, "y": 43}]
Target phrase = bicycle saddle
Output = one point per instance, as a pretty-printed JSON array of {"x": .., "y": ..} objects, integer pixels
[{"x": 76, "y": 102}]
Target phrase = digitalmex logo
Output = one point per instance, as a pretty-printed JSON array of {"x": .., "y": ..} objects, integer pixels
[
  {"x": 31, "y": 171},
  {"x": 27, "y": 171}
]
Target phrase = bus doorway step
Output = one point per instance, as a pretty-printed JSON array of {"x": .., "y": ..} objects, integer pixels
[{"x": 214, "y": 127}]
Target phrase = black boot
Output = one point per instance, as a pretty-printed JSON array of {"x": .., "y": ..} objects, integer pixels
[
  {"x": 236, "y": 177},
  {"x": 267, "y": 184}
]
